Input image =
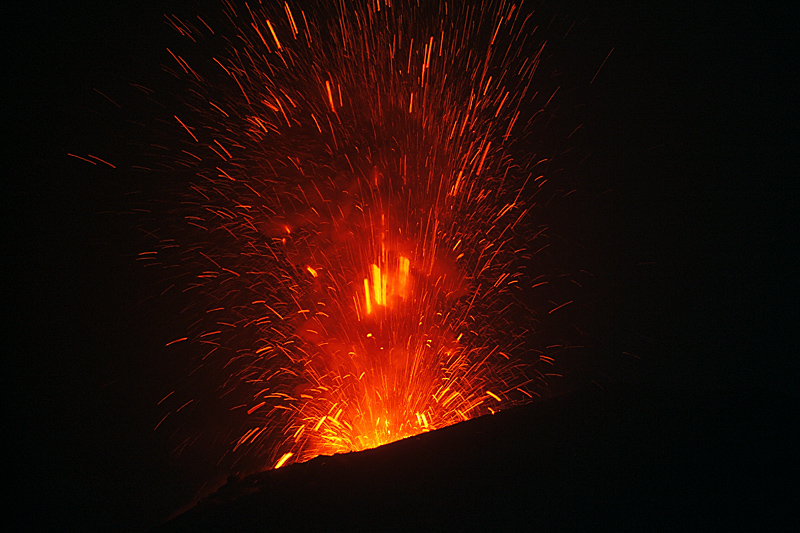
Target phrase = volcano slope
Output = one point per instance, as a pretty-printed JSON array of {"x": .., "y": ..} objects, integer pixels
[{"x": 624, "y": 456}]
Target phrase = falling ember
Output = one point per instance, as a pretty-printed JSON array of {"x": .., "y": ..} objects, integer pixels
[
  {"x": 355, "y": 227},
  {"x": 285, "y": 457}
]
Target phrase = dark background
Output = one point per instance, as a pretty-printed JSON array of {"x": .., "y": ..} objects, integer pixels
[{"x": 684, "y": 213}]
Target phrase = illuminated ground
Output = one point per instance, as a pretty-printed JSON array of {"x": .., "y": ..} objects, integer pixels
[{"x": 623, "y": 457}]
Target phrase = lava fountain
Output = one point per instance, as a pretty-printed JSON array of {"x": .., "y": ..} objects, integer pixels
[{"x": 356, "y": 228}]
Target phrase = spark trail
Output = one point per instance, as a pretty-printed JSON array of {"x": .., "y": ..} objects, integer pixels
[{"x": 357, "y": 222}]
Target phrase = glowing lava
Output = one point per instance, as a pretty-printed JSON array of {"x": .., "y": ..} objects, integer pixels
[{"x": 355, "y": 228}]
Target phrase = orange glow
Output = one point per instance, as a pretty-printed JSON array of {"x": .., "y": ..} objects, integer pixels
[
  {"x": 379, "y": 150},
  {"x": 387, "y": 285}
]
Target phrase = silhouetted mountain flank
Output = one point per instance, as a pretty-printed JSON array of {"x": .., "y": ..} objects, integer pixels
[{"x": 625, "y": 457}]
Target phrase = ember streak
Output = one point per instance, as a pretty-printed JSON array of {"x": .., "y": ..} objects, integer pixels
[{"x": 356, "y": 233}]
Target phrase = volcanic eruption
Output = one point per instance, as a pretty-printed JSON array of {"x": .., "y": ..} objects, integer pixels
[{"x": 356, "y": 231}]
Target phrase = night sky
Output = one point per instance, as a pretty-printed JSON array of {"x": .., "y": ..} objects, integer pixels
[{"x": 684, "y": 215}]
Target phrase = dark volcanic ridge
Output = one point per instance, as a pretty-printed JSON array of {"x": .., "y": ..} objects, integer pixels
[{"x": 625, "y": 456}]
